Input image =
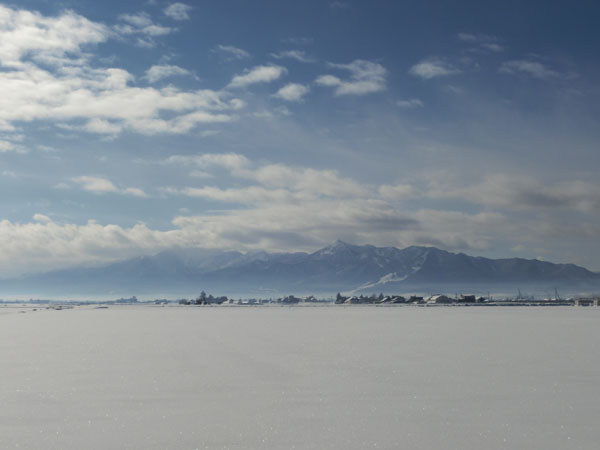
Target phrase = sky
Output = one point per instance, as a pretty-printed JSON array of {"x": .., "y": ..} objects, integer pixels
[{"x": 127, "y": 128}]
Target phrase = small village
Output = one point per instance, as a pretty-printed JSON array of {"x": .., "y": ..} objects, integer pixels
[
  {"x": 339, "y": 300},
  {"x": 383, "y": 300}
]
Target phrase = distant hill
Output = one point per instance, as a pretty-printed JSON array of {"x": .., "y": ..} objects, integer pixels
[{"x": 337, "y": 267}]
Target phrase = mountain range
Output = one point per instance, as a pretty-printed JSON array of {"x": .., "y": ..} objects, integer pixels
[{"x": 338, "y": 267}]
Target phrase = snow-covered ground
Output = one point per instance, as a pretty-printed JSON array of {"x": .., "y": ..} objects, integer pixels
[{"x": 360, "y": 378}]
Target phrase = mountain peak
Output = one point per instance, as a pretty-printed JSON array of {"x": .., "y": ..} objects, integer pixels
[{"x": 336, "y": 247}]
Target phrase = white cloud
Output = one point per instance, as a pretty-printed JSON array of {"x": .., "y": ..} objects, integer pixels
[
  {"x": 304, "y": 181},
  {"x": 232, "y": 53},
  {"x": 178, "y": 11},
  {"x": 12, "y": 145},
  {"x": 258, "y": 74},
  {"x": 532, "y": 68},
  {"x": 41, "y": 218},
  {"x": 366, "y": 77},
  {"x": 98, "y": 185},
  {"x": 5, "y": 126},
  {"x": 328, "y": 80},
  {"x": 292, "y": 92},
  {"x": 274, "y": 113},
  {"x": 270, "y": 221},
  {"x": 101, "y": 126},
  {"x": 331, "y": 202},
  {"x": 105, "y": 99},
  {"x": 298, "y": 55},
  {"x": 158, "y": 72},
  {"x": 432, "y": 68},
  {"x": 247, "y": 196},
  {"x": 41, "y": 246},
  {"x": 139, "y": 20},
  {"x": 410, "y": 103},
  {"x": 25, "y": 34},
  {"x": 141, "y": 23},
  {"x": 282, "y": 207},
  {"x": 233, "y": 162},
  {"x": 6, "y": 146},
  {"x": 95, "y": 184},
  {"x": 136, "y": 192}
]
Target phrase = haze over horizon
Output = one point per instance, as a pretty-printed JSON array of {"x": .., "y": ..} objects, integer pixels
[{"x": 131, "y": 128}]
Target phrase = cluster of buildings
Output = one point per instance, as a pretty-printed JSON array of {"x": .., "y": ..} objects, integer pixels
[
  {"x": 438, "y": 299},
  {"x": 433, "y": 299}
]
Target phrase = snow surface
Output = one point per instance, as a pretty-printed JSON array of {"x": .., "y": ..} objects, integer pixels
[{"x": 300, "y": 378}]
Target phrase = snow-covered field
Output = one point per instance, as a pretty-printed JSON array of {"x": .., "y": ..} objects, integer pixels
[{"x": 300, "y": 378}]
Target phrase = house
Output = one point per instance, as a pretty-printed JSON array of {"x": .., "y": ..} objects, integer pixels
[
  {"x": 439, "y": 299},
  {"x": 590, "y": 301}
]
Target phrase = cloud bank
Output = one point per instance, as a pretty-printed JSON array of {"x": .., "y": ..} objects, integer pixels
[{"x": 49, "y": 78}]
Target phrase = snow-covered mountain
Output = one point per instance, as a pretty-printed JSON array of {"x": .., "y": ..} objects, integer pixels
[{"x": 337, "y": 267}]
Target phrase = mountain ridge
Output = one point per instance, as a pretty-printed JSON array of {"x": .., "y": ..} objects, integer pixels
[{"x": 337, "y": 267}]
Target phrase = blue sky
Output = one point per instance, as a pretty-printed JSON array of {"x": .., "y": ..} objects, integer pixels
[{"x": 130, "y": 127}]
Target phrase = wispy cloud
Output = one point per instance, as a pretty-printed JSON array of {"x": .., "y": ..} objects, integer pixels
[
  {"x": 532, "y": 68},
  {"x": 292, "y": 92},
  {"x": 482, "y": 42},
  {"x": 298, "y": 55},
  {"x": 432, "y": 68},
  {"x": 231, "y": 53},
  {"x": 155, "y": 73},
  {"x": 141, "y": 23},
  {"x": 12, "y": 145},
  {"x": 6, "y": 146},
  {"x": 277, "y": 176},
  {"x": 258, "y": 74},
  {"x": 178, "y": 11},
  {"x": 366, "y": 77},
  {"x": 142, "y": 26},
  {"x": 99, "y": 185},
  {"x": 273, "y": 113},
  {"x": 410, "y": 103}
]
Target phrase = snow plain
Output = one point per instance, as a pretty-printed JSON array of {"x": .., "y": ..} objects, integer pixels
[{"x": 186, "y": 378}]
